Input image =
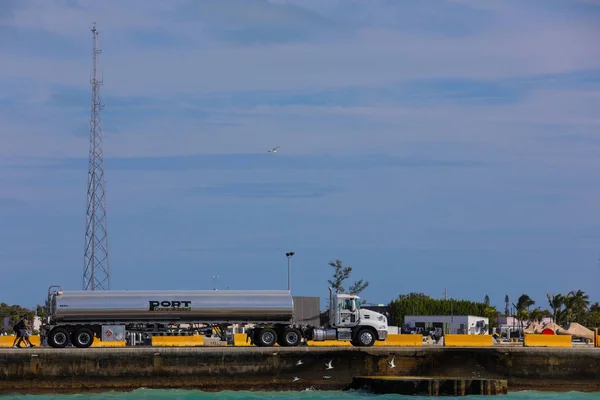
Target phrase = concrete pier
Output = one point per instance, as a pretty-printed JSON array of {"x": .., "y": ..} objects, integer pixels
[
  {"x": 253, "y": 368},
  {"x": 439, "y": 386}
]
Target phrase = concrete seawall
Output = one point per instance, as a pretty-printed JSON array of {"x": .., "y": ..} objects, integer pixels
[{"x": 250, "y": 368}]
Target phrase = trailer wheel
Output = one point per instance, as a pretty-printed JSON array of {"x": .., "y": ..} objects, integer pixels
[
  {"x": 365, "y": 337},
  {"x": 291, "y": 337},
  {"x": 58, "y": 338},
  {"x": 82, "y": 338},
  {"x": 266, "y": 338}
]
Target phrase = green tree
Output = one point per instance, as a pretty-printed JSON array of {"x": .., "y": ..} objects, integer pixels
[
  {"x": 340, "y": 274},
  {"x": 577, "y": 302},
  {"x": 593, "y": 317},
  {"x": 14, "y": 314},
  {"x": 421, "y": 304},
  {"x": 41, "y": 311},
  {"x": 555, "y": 302},
  {"x": 524, "y": 302},
  {"x": 358, "y": 286},
  {"x": 538, "y": 314},
  {"x": 522, "y": 308}
]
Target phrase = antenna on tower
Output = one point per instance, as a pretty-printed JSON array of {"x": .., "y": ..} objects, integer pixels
[{"x": 96, "y": 271}]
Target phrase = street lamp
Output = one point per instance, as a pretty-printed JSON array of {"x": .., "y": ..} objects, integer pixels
[
  {"x": 215, "y": 277},
  {"x": 289, "y": 255}
]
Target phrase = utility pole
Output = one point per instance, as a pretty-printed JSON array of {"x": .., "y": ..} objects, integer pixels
[{"x": 96, "y": 269}]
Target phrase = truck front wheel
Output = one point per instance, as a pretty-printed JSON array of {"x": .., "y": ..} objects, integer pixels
[{"x": 365, "y": 338}]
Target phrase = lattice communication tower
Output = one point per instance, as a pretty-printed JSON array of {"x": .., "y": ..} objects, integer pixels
[{"x": 96, "y": 270}]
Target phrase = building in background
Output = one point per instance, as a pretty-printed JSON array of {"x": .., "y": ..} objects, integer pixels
[{"x": 439, "y": 325}]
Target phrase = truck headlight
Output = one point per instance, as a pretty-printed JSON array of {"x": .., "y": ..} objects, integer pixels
[
  {"x": 382, "y": 327},
  {"x": 381, "y": 318}
]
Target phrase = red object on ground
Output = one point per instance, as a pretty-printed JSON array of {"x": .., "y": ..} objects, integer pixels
[{"x": 548, "y": 331}]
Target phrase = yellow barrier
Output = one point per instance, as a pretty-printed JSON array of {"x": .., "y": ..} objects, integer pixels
[
  {"x": 538, "y": 340},
  {"x": 239, "y": 339},
  {"x": 7, "y": 341},
  {"x": 597, "y": 341},
  {"x": 98, "y": 343},
  {"x": 455, "y": 340},
  {"x": 401, "y": 340},
  {"x": 175, "y": 341},
  {"x": 328, "y": 343}
]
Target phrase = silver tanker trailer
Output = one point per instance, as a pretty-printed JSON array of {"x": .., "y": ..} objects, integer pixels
[{"x": 80, "y": 317}]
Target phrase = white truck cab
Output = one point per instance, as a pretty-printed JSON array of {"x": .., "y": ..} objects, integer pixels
[{"x": 351, "y": 322}]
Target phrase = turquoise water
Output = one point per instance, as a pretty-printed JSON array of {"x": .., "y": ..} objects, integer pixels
[{"x": 143, "y": 394}]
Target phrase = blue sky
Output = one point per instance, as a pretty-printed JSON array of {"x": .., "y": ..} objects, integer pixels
[{"x": 431, "y": 145}]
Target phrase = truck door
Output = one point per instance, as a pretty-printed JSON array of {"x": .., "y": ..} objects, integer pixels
[{"x": 347, "y": 313}]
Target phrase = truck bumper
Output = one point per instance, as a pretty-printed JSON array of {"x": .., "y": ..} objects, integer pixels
[{"x": 382, "y": 334}]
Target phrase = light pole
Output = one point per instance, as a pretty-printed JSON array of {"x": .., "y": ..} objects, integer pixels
[
  {"x": 215, "y": 277},
  {"x": 289, "y": 255}
]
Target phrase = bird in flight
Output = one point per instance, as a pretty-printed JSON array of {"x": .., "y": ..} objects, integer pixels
[
  {"x": 274, "y": 149},
  {"x": 329, "y": 366},
  {"x": 391, "y": 363}
]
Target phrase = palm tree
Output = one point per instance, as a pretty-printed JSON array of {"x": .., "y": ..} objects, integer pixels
[
  {"x": 556, "y": 302},
  {"x": 524, "y": 302},
  {"x": 522, "y": 307},
  {"x": 579, "y": 303},
  {"x": 538, "y": 314}
]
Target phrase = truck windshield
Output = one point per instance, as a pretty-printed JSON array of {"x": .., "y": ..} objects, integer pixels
[{"x": 357, "y": 304}]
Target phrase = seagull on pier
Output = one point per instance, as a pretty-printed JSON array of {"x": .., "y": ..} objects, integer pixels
[
  {"x": 391, "y": 363},
  {"x": 329, "y": 366},
  {"x": 274, "y": 149}
]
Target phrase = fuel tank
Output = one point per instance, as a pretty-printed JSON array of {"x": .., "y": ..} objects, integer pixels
[{"x": 173, "y": 305}]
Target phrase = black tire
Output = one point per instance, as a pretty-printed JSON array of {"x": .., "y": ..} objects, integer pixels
[
  {"x": 82, "y": 338},
  {"x": 290, "y": 337},
  {"x": 58, "y": 338},
  {"x": 265, "y": 337},
  {"x": 365, "y": 337}
]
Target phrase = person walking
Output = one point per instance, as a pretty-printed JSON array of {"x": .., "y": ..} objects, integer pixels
[{"x": 21, "y": 328}]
